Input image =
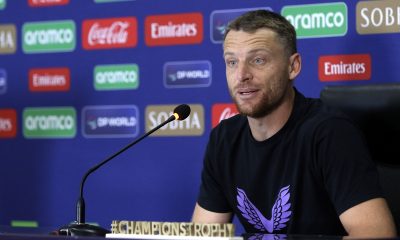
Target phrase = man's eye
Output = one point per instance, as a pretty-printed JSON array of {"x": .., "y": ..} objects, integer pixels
[
  {"x": 259, "y": 61},
  {"x": 231, "y": 63}
]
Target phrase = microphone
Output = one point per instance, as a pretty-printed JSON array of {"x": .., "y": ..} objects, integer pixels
[{"x": 79, "y": 227}]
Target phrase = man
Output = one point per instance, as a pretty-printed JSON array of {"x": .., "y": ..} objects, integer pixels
[{"x": 286, "y": 164}]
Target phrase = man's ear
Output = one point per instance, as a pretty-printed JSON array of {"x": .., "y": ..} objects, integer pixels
[{"x": 295, "y": 66}]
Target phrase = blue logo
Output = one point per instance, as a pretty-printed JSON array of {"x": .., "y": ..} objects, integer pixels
[
  {"x": 3, "y": 81},
  {"x": 219, "y": 19},
  {"x": 190, "y": 74},
  {"x": 110, "y": 121}
]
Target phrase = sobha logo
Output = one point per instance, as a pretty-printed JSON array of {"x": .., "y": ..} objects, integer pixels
[
  {"x": 54, "y": 36},
  {"x": 193, "y": 125},
  {"x": 318, "y": 20},
  {"x": 8, "y": 39},
  {"x": 375, "y": 17},
  {"x": 49, "y": 122},
  {"x": 116, "y": 77}
]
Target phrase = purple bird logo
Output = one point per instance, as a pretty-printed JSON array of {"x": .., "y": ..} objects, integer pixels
[{"x": 280, "y": 213}]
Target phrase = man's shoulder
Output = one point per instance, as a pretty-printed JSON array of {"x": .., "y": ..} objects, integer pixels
[{"x": 231, "y": 126}]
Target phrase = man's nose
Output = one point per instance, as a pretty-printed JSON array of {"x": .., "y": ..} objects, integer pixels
[{"x": 243, "y": 72}]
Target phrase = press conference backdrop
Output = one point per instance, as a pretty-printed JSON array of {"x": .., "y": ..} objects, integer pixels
[{"x": 80, "y": 79}]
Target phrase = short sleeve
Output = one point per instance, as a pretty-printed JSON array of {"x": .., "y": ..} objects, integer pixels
[
  {"x": 211, "y": 196},
  {"x": 349, "y": 174}
]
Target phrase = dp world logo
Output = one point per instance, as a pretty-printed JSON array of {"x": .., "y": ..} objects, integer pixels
[
  {"x": 110, "y": 121},
  {"x": 219, "y": 20},
  {"x": 49, "y": 122},
  {"x": 187, "y": 74},
  {"x": 318, "y": 20},
  {"x": 50, "y": 36}
]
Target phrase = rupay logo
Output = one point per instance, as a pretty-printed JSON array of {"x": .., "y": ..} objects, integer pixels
[
  {"x": 318, "y": 20},
  {"x": 52, "y": 122},
  {"x": 187, "y": 74},
  {"x": 116, "y": 77},
  {"x": 110, "y": 121},
  {"x": 50, "y": 36}
]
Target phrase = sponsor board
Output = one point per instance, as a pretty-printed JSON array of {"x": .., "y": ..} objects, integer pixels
[
  {"x": 110, "y": 121},
  {"x": 377, "y": 17},
  {"x": 116, "y": 77},
  {"x": 174, "y": 29},
  {"x": 8, "y": 123},
  {"x": 49, "y": 36},
  {"x": 221, "y": 111},
  {"x": 344, "y": 67},
  {"x": 49, "y": 79},
  {"x": 109, "y": 33},
  {"x": 318, "y": 20},
  {"x": 3, "y": 81},
  {"x": 3, "y": 4},
  {"x": 8, "y": 39},
  {"x": 219, "y": 20},
  {"x": 190, "y": 74},
  {"x": 49, "y": 122},
  {"x": 193, "y": 125},
  {"x": 47, "y": 3}
]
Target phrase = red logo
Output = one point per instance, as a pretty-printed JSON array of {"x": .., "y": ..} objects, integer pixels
[
  {"x": 46, "y": 3},
  {"x": 221, "y": 111},
  {"x": 49, "y": 79},
  {"x": 344, "y": 67},
  {"x": 174, "y": 29},
  {"x": 109, "y": 33},
  {"x": 8, "y": 123}
]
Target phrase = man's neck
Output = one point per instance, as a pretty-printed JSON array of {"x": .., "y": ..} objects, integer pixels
[{"x": 267, "y": 126}]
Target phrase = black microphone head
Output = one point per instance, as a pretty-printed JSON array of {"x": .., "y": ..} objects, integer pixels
[{"x": 182, "y": 111}]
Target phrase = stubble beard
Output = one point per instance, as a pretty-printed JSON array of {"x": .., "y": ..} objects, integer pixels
[{"x": 267, "y": 104}]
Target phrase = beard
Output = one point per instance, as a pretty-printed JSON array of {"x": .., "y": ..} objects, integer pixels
[{"x": 268, "y": 103}]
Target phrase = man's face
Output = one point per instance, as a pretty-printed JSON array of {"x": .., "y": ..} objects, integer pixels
[{"x": 257, "y": 71}]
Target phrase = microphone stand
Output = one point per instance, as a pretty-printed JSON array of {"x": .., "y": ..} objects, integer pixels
[{"x": 79, "y": 227}]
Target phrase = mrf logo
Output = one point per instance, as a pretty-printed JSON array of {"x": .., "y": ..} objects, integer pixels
[
  {"x": 174, "y": 29},
  {"x": 110, "y": 121},
  {"x": 187, "y": 74},
  {"x": 220, "y": 19},
  {"x": 8, "y": 123},
  {"x": 109, "y": 33},
  {"x": 193, "y": 125},
  {"x": 221, "y": 111}
]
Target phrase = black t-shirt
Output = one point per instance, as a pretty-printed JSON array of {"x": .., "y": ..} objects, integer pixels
[{"x": 298, "y": 181}]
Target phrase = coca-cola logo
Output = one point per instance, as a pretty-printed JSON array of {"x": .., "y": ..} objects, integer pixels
[
  {"x": 109, "y": 33},
  {"x": 221, "y": 111}
]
